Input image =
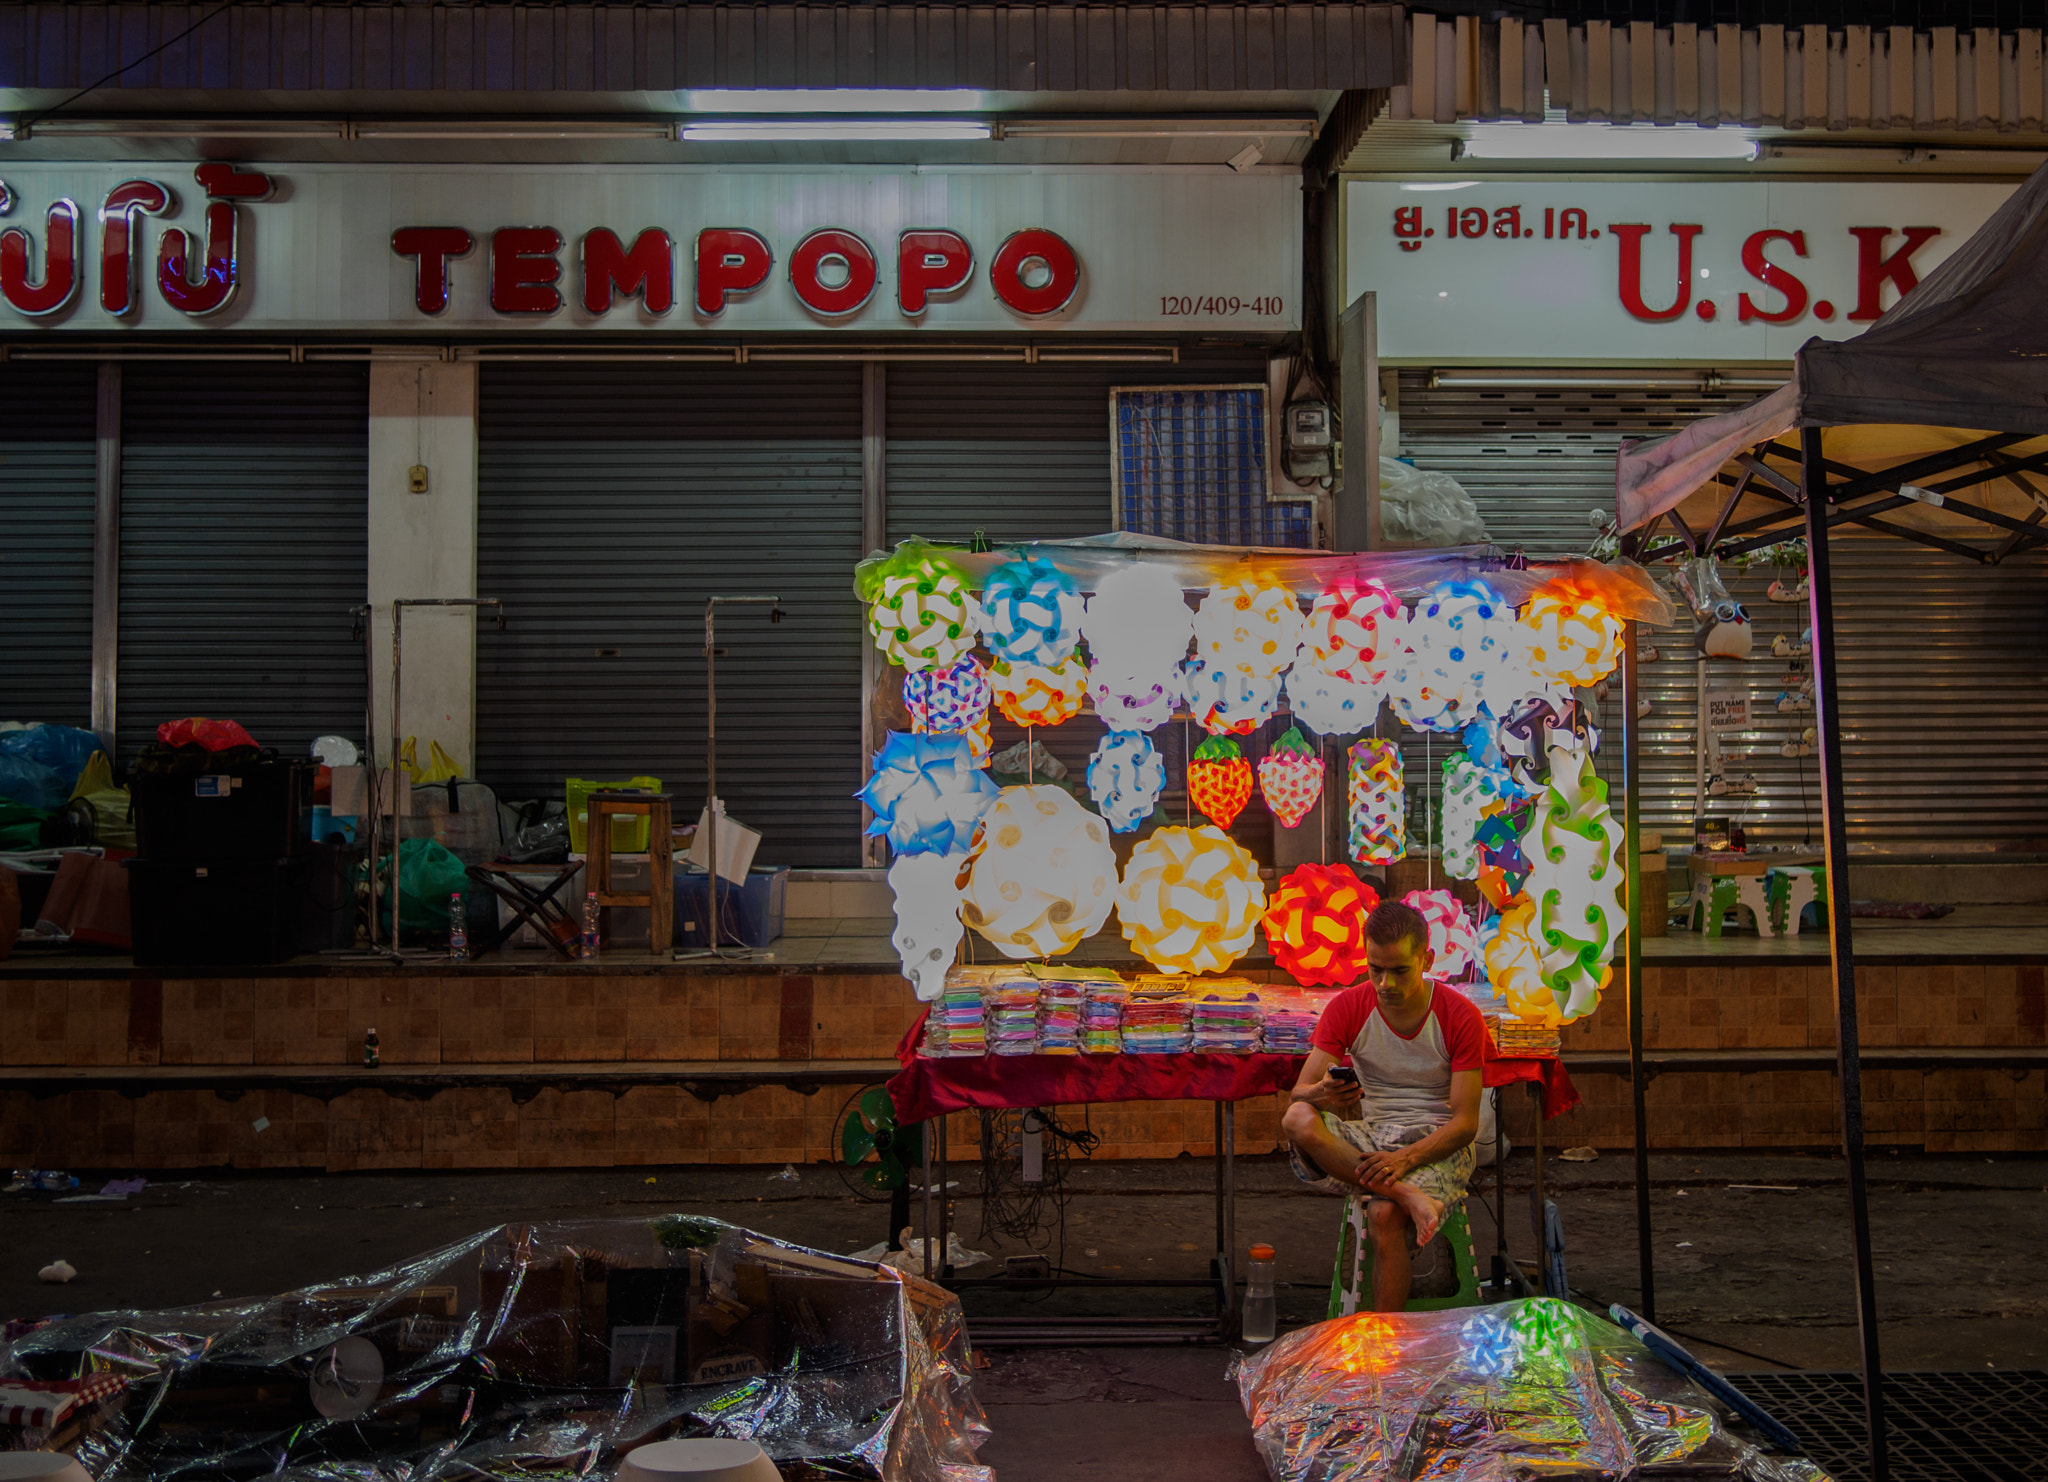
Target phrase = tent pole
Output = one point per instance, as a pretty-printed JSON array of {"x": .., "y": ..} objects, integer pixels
[
  {"x": 1848, "y": 1057},
  {"x": 1632, "y": 958}
]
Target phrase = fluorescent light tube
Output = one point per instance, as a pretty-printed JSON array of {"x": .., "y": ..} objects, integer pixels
[
  {"x": 1596, "y": 141},
  {"x": 769, "y": 130},
  {"x": 833, "y": 100}
]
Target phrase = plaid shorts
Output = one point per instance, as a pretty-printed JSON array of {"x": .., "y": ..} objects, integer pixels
[{"x": 1444, "y": 1180}]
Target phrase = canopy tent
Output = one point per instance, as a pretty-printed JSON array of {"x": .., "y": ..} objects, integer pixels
[{"x": 1967, "y": 348}]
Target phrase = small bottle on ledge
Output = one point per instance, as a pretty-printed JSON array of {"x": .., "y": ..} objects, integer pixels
[{"x": 370, "y": 1061}]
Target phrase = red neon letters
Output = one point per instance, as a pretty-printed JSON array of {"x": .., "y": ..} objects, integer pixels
[
  {"x": 60, "y": 263},
  {"x": 524, "y": 270},
  {"x": 1035, "y": 254},
  {"x": 930, "y": 262},
  {"x": 730, "y": 260},
  {"x": 856, "y": 270},
  {"x": 433, "y": 246},
  {"x": 646, "y": 270}
]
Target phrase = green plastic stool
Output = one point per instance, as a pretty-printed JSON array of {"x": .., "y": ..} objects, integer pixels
[
  {"x": 1716, "y": 900},
  {"x": 1351, "y": 1282}
]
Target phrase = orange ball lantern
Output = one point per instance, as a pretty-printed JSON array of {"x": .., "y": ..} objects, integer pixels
[
  {"x": 1315, "y": 925},
  {"x": 1219, "y": 780}
]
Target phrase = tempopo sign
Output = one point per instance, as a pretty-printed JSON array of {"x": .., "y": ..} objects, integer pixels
[
  {"x": 551, "y": 249},
  {"x": 1546, "y": 272}
]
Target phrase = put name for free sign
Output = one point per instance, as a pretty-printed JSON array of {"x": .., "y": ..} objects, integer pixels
[{"x": 1597, "y": 272}]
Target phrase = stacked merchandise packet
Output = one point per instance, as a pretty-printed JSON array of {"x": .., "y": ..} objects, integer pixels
[
  {"x": 1156, "y": 1016},
  {"x": 955, "y": 1024},
  {"x": 1290, "y": 1021},
  {"x": 1061, "y": 997},
  {"x": 1102, "y": 1016},
  {"x": 1223, "y": 1016},
  {"x": 1011, "y": 1003}
]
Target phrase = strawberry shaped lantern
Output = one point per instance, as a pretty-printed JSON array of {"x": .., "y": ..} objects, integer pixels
[
  {"x": 1219, "y": 780},
  {"x": 1291, "y": 777}
]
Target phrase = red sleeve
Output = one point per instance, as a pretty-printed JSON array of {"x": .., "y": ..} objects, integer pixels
[
  {"x": 1464, "y": 1028},
  {"x": 1343, "y": 1019}
]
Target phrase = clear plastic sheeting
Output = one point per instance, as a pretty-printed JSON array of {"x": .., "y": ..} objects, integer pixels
[
  {"x": 546, "y": 1350},
  {"x": 1426, "y": 507},
  {"x": 1486, "y": 1394}
]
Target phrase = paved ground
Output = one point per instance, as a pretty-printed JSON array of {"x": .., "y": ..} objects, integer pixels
[{"x": 1759, "y": 1275}]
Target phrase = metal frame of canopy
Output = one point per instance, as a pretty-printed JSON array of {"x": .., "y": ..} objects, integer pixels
[{"x": 1811, "y": 497}]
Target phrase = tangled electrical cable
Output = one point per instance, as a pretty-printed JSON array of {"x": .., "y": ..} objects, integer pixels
[{"x": 1033, "y": 1213}]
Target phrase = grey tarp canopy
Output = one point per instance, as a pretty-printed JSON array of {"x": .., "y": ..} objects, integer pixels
[{"x": 1968, "y": 347}]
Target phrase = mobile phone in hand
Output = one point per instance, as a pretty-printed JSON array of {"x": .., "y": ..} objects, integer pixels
[{"x": 1345, "y": 1074}]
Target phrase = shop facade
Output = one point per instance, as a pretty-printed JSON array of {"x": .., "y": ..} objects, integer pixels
[
  {"x": 600, "y": 396},
  {"x": 1530, "y": 323}
]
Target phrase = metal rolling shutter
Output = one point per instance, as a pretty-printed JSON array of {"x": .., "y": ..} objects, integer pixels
[
  {"x": 1018, "y": 452},
  {"x": 46, "y": 470},
  {"x": 612, "y": 501},
  {"x": 1942, "y": 697},
  {"x": 244, "y": 542}
]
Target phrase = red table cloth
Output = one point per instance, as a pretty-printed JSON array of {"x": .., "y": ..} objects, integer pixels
[{"x": 926, "y": 1088}]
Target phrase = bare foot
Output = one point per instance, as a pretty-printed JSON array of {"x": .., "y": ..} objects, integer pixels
[{"x": 1427, "y": 1213}]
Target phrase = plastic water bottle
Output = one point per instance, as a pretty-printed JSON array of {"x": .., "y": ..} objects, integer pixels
[
  {"x": 1259, "y": 1314},
  {"x": 590, "y": 923},
  {"x": 458, "y": 928}
]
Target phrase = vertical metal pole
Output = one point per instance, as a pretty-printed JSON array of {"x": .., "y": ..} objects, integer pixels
[
  {"x": 391, "y": 763},
  {"x": 106, "y": 554},
  {"x": 1226, "y": 1172},
  {"x": 711, "y": 758},
  {"x": 874, "y": 535},
  {"x": 1632, "y": 962},
  {"x": 1848, "y": 1052},
  {"x": 930, "y": 1131}
]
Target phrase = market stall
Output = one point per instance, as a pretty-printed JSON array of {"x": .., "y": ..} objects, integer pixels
[
  {"x": 1490, "y": 655},
  {"x": 1890, "y": 433}
]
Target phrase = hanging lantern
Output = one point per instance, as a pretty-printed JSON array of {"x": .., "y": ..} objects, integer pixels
[
  {"x": 1219, "y": 780},
  {"x": 1137, "y": 622},
  {"x": 1379, "y": 829},
  {"x": 928, "y": 930},
  {"x": 920, "y": 614},
  {"x": 1291, "y": 777},
  {"x": 952, "y": 698},
  {"x": 1452, "y": 937},
  {"x": 1226, "y": 701},
  {"x": 1462, "y": 639},
  {"x": 1514, "y": 966},
  {"x": 1576, "y": 878},
  {"x": 1354, "y": 632},
  {"x": 1033, "y": 695},
  {"x": 1031, "y": 612},
  {"x": 1190, "y": 900},
  {"x": 1471, "y": 793},
  {"x": 1315, "y": 925},
  {"x": 1126, "y": 774},
  {"x": 1331, "y": 706},
  {"x": 1573, "y": 640},
  {"x": 1133, "y": 700},
  {"x": 927, "y": 792},
  {"x": 1042, "y": 876},
  {"x": 1252, "y": 625}
]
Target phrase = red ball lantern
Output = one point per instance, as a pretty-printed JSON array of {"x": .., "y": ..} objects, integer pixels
[{"x": 1315, "y": 924}]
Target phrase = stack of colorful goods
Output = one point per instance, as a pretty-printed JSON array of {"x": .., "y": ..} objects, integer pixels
[
  {"x": 1223, "y": 1017},
  {"x": 1156, "y": 1016},
  {"x": 1011, "y": 1007},
  {"x": 1289, "y": 1021},
  {"x": 1102, "y": 1017},
  {"x": 955, "y": 1025},
  {"x": 1512, "y": 1037},
  {"x": 1059, "y": 1016}
]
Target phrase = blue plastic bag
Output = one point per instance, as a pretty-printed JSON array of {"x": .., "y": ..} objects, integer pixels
[{"x": 39, "y": 766}]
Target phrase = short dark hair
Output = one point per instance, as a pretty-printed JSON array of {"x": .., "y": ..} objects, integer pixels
[{"x": 1396, "y": 921}]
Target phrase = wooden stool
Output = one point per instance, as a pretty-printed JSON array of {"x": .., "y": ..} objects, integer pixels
[{"x": 660, "y": 896}]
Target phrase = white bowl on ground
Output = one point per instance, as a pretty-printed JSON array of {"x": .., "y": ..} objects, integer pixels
[{"x": 704, "y": 1459}]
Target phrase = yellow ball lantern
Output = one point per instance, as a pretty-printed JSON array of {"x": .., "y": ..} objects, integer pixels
[{"x": 1190, "y": 900}]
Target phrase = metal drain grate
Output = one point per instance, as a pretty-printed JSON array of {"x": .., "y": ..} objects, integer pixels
[{"x": 1989, "y": 1427}]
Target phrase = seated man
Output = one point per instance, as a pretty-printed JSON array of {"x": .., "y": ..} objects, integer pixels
[{"x": 1415, "y": 1047}]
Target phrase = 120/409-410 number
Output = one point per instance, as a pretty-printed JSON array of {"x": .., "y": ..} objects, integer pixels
[{"x": 1215, "y": 305}]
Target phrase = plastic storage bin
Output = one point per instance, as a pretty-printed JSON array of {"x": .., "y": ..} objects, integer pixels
[
  {"x": 248, "y": 812},
  {"x": 235, "y": 911},
  {"x": 750, "y": 914},
  {"x": 629, "y": 835}
]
